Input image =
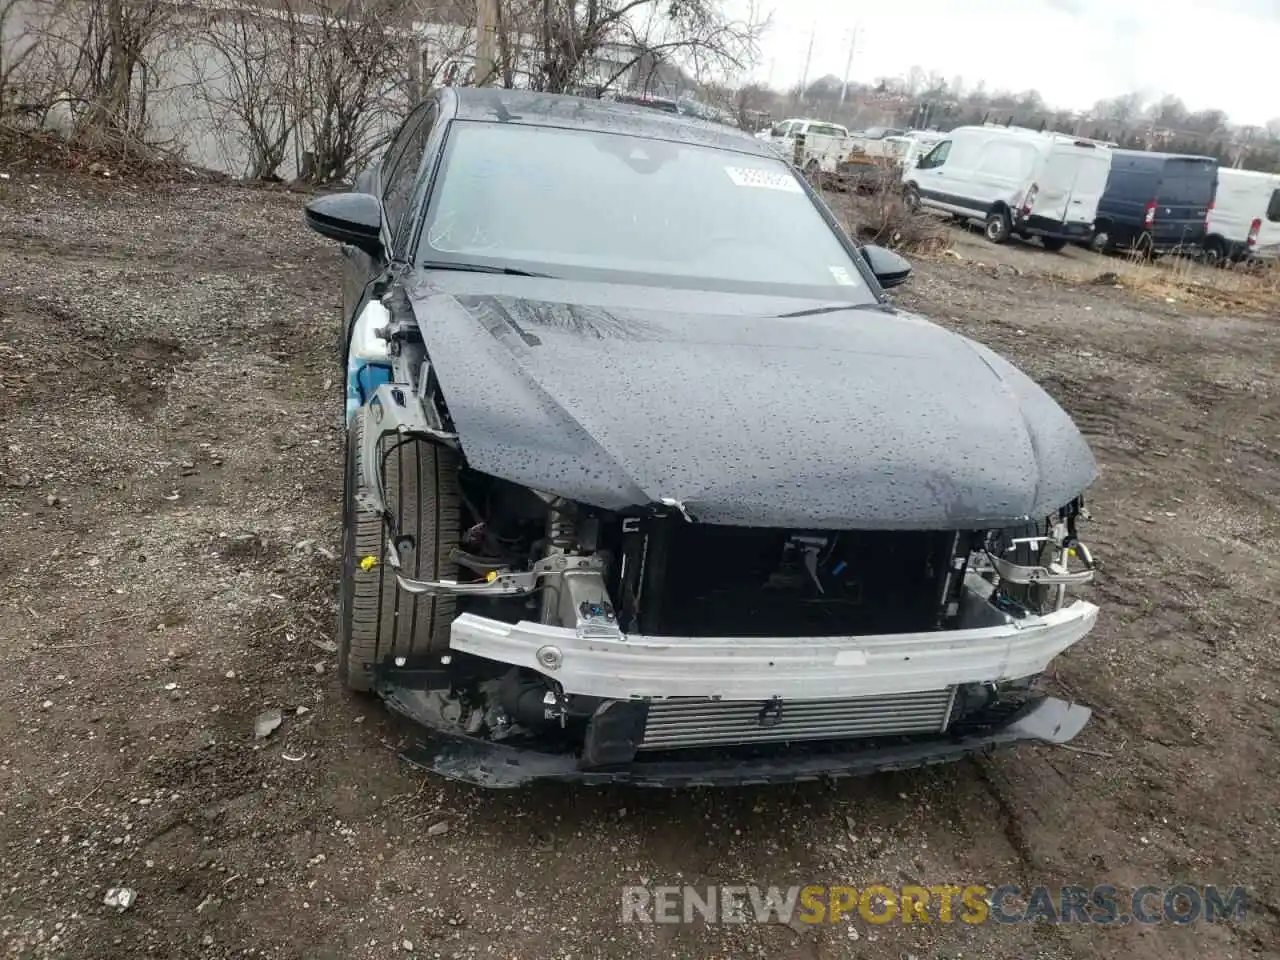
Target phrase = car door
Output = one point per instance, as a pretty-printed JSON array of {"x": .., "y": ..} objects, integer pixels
[
  {"x": 1267, "y": 241},
  {"x": 1056, "y": 182},
  {"x": 928, "y": 174},
  {"x": 1183, "y": 200}
]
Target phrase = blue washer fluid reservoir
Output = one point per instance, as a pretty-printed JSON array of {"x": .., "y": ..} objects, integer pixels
[{"x": 368, "y": 360}]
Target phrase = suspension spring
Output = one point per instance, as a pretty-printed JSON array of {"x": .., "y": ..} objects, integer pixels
[{"x": 561, "y": 531}]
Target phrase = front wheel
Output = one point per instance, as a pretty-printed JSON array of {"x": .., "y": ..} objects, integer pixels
[
  {"x": 911, "y": 198},
  {"x": 376, "y": 619},
  {"x": 998, "y": 228},
  {"x": 1215, "y": 252}
]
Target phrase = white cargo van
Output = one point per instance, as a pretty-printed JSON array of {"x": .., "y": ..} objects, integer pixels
[
  {"x": 1017, "y": 181},
  {"x": 1244, "y": 222}
]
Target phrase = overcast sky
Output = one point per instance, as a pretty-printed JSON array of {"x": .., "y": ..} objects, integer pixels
[{"x": 1216, "y": 54}]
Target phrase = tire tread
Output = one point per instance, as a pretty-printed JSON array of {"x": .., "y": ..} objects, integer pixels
[{"x": 422, "y": 494}]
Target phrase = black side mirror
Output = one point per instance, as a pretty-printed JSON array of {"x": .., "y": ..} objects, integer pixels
[
  {"x": 889, "y": 268},
  {"x": 354, "y": 218}
]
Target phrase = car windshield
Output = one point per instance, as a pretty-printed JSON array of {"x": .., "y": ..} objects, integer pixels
[{"x": 600, "y": 206}]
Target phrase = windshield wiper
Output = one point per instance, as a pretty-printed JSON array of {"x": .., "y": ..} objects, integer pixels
[
  {"x": 833, "y": 308},
  {"x": 477, "y": 268}
]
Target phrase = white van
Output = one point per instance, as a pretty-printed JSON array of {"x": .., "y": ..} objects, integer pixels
[
  {"x": 1244, "y": 222},
  {"x": 825, "y": 144},
  {"x": 1017, "y": 181}
]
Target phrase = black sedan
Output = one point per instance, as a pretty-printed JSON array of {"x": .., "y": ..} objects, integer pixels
[{"x": 648, "y": 481}]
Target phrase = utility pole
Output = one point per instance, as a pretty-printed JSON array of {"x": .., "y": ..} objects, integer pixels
[
  {"x": 804, "y": 77},
  {"x": 486, "y": 41},
  {"x": 848, "y": 65}
]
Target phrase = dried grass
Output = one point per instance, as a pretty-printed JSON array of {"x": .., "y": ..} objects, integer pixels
[{"x": 1255, "y": 289}]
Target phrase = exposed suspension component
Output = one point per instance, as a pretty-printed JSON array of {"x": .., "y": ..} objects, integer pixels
[
  {"x": 561, "y": 529},
  {"x": 574, "y": 593}
]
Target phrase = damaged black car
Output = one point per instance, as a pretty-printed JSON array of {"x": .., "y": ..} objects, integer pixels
[{"x": 647, "y": 481}]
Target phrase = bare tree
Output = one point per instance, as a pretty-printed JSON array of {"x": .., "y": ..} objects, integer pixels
[
  {"x": 348, "y": 69},
  {"x": 11, "y": 57},
  {"x": 96, "y": 55},
  {"x": 519, "y": 33},
  {"x": 571, "y": 33},
  {"x": 244, "y": 73},
  {"x": 443, "y": 43}
]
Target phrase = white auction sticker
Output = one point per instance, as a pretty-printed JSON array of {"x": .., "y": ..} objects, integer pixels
[
  {"x": 842, "y": 277},
  {"x": 767, "y": 179}
]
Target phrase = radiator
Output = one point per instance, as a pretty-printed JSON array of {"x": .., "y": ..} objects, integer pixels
[{"x": 698, "y": 722}]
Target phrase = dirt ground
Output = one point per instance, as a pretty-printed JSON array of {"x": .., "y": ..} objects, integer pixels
[{"x": 169, "y": 498}]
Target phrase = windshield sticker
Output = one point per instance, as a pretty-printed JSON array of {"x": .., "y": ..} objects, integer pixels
[
  {"x": 768, "y": 179},
  {"x": 842, "y": 277}
]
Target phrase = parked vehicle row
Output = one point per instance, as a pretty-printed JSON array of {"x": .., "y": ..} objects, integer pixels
[
  {"x": 1028, "y": 183},
  {"x": 813, "y": 145},
  {"x": 872, "y": 158}
]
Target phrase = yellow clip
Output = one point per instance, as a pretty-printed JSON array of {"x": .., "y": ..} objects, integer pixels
[
  {"x": 368, "y": 563},
  {"x": 491, "y": 576}
]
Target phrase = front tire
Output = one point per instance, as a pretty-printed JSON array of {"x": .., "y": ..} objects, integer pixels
[
  {"x": 377, "y": 620},
  {"x": 1215, "y": 252},
  {"x": 911, "y": 198},
  {"x": 998, "y": 227}
]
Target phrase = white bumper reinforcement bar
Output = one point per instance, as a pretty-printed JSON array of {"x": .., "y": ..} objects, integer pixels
[{"x": 760, "y": 668}]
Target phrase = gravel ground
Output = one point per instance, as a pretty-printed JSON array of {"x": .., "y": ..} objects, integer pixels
[{"x": 169, "y": 498}]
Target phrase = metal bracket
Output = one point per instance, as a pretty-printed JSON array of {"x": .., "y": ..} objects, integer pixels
[
  {"x": 500, "y": 583},
  {"x": 1016, "y": 573},
  {"x": 583, "y": 603}
]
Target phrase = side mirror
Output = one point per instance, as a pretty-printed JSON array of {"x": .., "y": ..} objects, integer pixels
[
  {"x": 889, "y": 268},
  {"x": 354, "y": 218}
]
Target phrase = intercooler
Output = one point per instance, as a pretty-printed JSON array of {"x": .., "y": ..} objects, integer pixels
[{"x": 698, "y": 722}]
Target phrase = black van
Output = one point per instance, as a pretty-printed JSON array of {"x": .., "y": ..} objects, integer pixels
[{"x": 1155, "y": 202}]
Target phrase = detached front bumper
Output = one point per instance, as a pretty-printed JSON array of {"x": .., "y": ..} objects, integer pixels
[{"x": 719, "y": 711}]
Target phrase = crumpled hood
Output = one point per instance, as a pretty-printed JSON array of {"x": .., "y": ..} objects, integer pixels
[{"x": 859, "y": 419}]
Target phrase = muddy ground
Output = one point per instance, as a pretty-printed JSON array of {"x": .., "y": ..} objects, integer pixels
[{"x": 169, "y": 499}]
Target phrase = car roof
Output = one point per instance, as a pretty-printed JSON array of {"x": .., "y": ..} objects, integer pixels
[{"x": 498, "y": 105}]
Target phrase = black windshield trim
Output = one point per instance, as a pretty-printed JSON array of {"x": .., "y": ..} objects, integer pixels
[
  {"x": 832, "y": 308},
  {"x": 466, "y": 266}
]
